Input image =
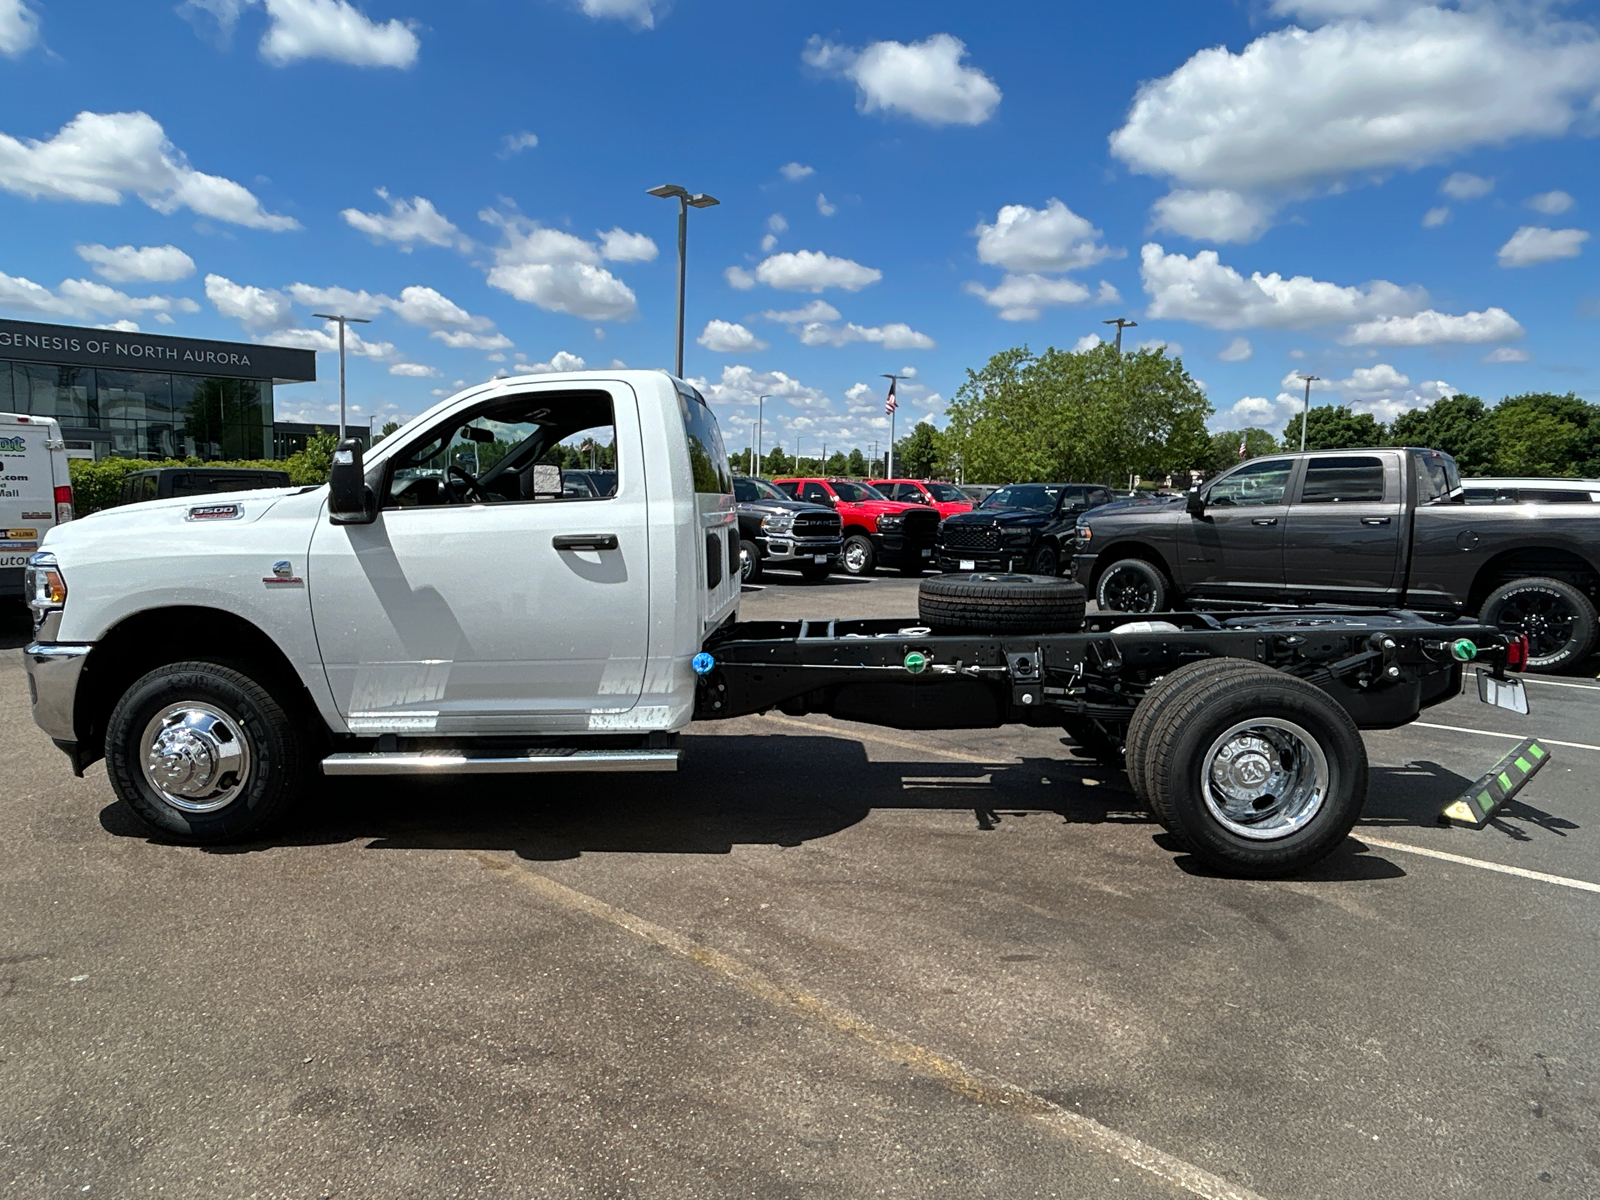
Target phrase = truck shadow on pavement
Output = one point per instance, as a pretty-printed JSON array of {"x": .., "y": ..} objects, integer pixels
[{"x": 1418, "y": 792}]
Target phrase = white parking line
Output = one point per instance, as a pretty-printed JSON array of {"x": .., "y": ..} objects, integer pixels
[
  {"x": 1582, "y": 687},
  {"x": 1581, "y": 885},
  {"x": 1515, "y": 737}
]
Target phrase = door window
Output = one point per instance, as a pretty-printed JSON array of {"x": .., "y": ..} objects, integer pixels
[
  {"x": 789, "y": 488},
  {"x": 540, "y": 448},
  {"x": 816, "y": 494},
  {"x": 1438, "y": 481},
  {"x": 1343, "y": 481},
  {"x": 1255, "y": 483}
]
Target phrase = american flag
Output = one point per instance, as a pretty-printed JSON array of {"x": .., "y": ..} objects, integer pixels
[
  {"x": 891, "y": 403},
  {"x": 1241, "y": 445}
]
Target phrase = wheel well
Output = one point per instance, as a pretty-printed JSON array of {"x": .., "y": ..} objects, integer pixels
[
  {"x": 855, "y": 530},
  {"x": 1122, "y": 550},
  {"x": 1528, "y": 562},
  {"x": 150, "y": 639}
]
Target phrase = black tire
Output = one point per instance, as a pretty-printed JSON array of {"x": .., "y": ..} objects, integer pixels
[
  {"x": 1558, "y": 620},
  {"x": 749, "y": 561},
  {"x": 1136, "y": 742},
  {"x": 977, "y": 603},
  {"x": 1132, "y": 585},
  {"x": 272, "y": 767},
  {"x": 911, "y": 570},
  {"x": 859, "y": 556},
  {"x": 1278, "y": 724},
  {"x": 813, "y": 573},
  {"x": 1045, "y": 562}
]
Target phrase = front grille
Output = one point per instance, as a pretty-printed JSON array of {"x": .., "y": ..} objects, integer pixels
[
  {"x": 970, "y": 537},
  {"x": 920, "y": 524},
  {"x": 817, "y": 525}
]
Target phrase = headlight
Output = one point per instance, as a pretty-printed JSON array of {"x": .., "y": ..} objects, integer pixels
[
  {"x": 1084, "y": 532},
  {"x": 781, "y": 523},
  {"x": 43, "y": 585},
  {"x": 893, "y": 521},
  {"x": 1018, "y": 534}
]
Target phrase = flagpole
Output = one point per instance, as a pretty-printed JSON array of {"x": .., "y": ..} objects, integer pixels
[{"x": 890, "y": 405}]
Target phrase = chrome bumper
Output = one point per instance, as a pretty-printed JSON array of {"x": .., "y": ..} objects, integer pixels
[{"x": 53, "y": 671}]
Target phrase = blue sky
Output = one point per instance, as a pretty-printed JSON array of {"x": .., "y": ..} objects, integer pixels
[{"x": 1394, "y": 195}]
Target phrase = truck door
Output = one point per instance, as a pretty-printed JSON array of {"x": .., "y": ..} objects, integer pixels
[
  {"x": 1236, "y": 547},
  {"x": 483, "y": 598},
  {"x": 1342, "y": 540}
]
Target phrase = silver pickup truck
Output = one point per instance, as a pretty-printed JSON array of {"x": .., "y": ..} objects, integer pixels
[{"x": 1385, "y": 527}]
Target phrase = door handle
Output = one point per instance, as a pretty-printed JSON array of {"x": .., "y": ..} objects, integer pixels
[
  {"x": 1374, "y": 520},
  {"x": 1263, "y": 520},
  {"x": 584, "y": 541}
]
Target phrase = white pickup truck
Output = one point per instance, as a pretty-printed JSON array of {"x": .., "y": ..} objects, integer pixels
[{"x": 448, "y": 605}]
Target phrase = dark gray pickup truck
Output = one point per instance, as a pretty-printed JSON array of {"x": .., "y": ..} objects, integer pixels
[{"x": 1385, "y": 527}]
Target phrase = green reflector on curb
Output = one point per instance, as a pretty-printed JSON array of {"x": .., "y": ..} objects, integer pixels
[
  {"x": 1464, "y": 649},
  {"x": 1537, "y": 751},
  {"x": 1479, "y": 804},
  {"x": 1524, "y": 765},
  {"x": 916, "y": 662}
]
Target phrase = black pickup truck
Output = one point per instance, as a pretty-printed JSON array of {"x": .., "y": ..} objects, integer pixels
[
  {"x": 1020, "y": 527},
  {"x": 1382, "y": 527}
]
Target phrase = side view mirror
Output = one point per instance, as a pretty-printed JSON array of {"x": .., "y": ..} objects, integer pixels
[
  {"x": 350, "y": 500},
  {"x": 1195, "y": 503}
]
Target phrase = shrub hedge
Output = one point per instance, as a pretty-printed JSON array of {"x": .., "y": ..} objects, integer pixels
[{"x": 98, "y": 485}]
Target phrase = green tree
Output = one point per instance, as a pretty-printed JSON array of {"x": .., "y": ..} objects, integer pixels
[
  {"x": 838, "y": 464},
  {"x": 1225, "y": 448},
  {"x": 388, "y": 428},
  {"x": 311, "y": 465},
  {"x": 776, "y": 462},
  {"x": 920, "y": 454},
  {"x": 1541, "y": 433},
  {"x": 856, "y": 465},
  {"x": 1089, "y": 415},
  {"x": 1458, "y": 425},
  {"x": 1335, "y": 427}
]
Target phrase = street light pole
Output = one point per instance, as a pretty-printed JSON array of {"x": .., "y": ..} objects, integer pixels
[
  {"x": 686, "y": 201},
  {"x": 761, "y": 404},
  {"x": 343, "y": 321},
  {"x": 1121, "y": 323},
  {"x": 1305, "y": 413}
]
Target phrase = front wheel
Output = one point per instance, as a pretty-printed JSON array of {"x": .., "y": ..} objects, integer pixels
[
  {"x": 860, "y": 555},
  {"x": 1131, "y": 585},
  {"x": 1045, "y": 562},
  {"x": 749, "y": 561},
  {"x": 1557, "y": 619},
  {"x": 204, "y": 754},
  {"x": 1259, "y": 773}
]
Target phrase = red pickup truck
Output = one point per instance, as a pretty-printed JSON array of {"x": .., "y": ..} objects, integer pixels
[
  {"x": 877, "y": 530},
  {"x": 944, "y": 498}
]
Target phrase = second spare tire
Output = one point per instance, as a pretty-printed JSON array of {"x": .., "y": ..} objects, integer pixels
[{"x": 996, "y": 603}]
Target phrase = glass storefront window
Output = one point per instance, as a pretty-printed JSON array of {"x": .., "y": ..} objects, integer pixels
[
  {"x": 66, "y": 393},
  {"x": 7, "y": 400},
  {"x": 134, "y": 396}
]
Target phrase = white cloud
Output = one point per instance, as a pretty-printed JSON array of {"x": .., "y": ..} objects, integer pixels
[
  {"x": 96, "y": 157},
  {"x": 257, "y": 309},
  {"x": 812, "y": 271},
  {"x": 1023, "y": 297},
  {"x": 559, "y": 361},
  {"x": 1463, "y": 185},
  {"x": 1237, "y": 350},
  {"x": 924, "y": 80},
  {"x": 742, "y": 385},
  {"x": 1052, "y": 238},
  {"x": 19, "y": 27},
  {"x": 817, "y": 310},
  {"x": 769, "y": 243},
  {"x": 1107, "y": 294},
  {"x": 739, "y": 279},
  {"x": 621, "y": 246},
  {"x": 1551, "y": 204},
  {"x": 1531, "y": 245},
  {"x": 1298, "y": 107},
  {"x": 1506, "y": 354},
  {"x": 336, "y": 30},
  {"x": 349, "y": 304},
  {"x": 85, "y": 300},
  {"x": 898, "y": 336},
  {"x": 461, "y": 339},
  {"x": 1214, "y": 215},
  {"x": 326, "y": 341},
  {"x": 154, "y": 264},
  {"x": 1435, "y": 217},
  {"x": 557, "y": 272},
  {"x": 729, "y": 337},
  {"x": 776, "y": 223},
  {"x": 406, "y": 223},
  {"x": 1203, "y": 290},
  {"x": 638, "y": 13},
  {"x": 413, "y": 370},
  {"x": 122, "y": 326},
  {"x": 824, "y": 207},
  {"x": 516, "y": 143},
  {"x": 795, "y": 171},
  {"x": 1087, "y": 342},
  {"x": 1429, "y": 328},
  {"x": 426, "y": 307}
]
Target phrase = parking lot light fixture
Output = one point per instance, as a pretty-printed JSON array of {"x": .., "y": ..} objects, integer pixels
[
  {"x": 1121, "y": 323},
  {"x": 1305, "y": 412},
  {"x": 343, "y": 321},
  {"x": 686, "y": 200}
]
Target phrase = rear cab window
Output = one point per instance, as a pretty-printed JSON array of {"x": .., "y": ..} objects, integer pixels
[
  {"x": 1438, "y": 481},
  {"x": 1346, "y": 479}
]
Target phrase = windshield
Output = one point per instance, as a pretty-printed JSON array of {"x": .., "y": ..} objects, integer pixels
[
  {"x": 1039, "y": 497},
  {"x": 945, "y": 492},
  {"x": 855, "y": 493},
  {"x": 748, "y": 491}
]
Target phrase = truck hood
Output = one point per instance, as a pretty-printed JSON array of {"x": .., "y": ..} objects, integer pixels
[
  {"x": 1002, "y": 517},
  {"x": 171, "y": 513},
  {"x": 882, "y": 508},
  {"x": 772, "y": 508}
]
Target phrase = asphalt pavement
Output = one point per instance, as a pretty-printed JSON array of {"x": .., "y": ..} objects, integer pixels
[{"x": 823, "y": 959}]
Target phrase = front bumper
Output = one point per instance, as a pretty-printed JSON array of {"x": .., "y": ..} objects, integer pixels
[
  {"x": 1081, "y": 568},
  {"x": 1003, "y": 561},
  {"x": 777, "y": 550},
  {"x": 896, "y": 550},
  {"x": 53, "y": 670}
]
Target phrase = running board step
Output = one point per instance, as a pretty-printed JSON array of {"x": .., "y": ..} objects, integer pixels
[{"x": 475, "y": 762}]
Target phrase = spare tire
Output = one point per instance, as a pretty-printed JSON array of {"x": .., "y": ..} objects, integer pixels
[{"x": 983, "y": 603}]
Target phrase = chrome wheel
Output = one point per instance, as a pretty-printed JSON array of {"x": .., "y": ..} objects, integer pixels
[
  {"x": 855, "y": 557},
  {"x": 1264, "y": 779},
  {"x": 746, "y": 565},
  {"x": 195, "y": 757}
]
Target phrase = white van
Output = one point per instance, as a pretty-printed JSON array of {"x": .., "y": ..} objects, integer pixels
[{"x": 35, "y": 491}]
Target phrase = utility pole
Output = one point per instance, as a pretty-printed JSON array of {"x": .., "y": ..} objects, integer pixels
[
  {"x": 343, "y": 321},
  {"x": 1305, "y": 413},
  {"x": 891, "y": 404},
  {"x": 686, "y": 201},
  {"x": 1121, "y": 323}
]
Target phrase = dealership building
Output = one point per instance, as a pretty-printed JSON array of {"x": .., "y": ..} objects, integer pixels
[{"x": 145, "y": 395}]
